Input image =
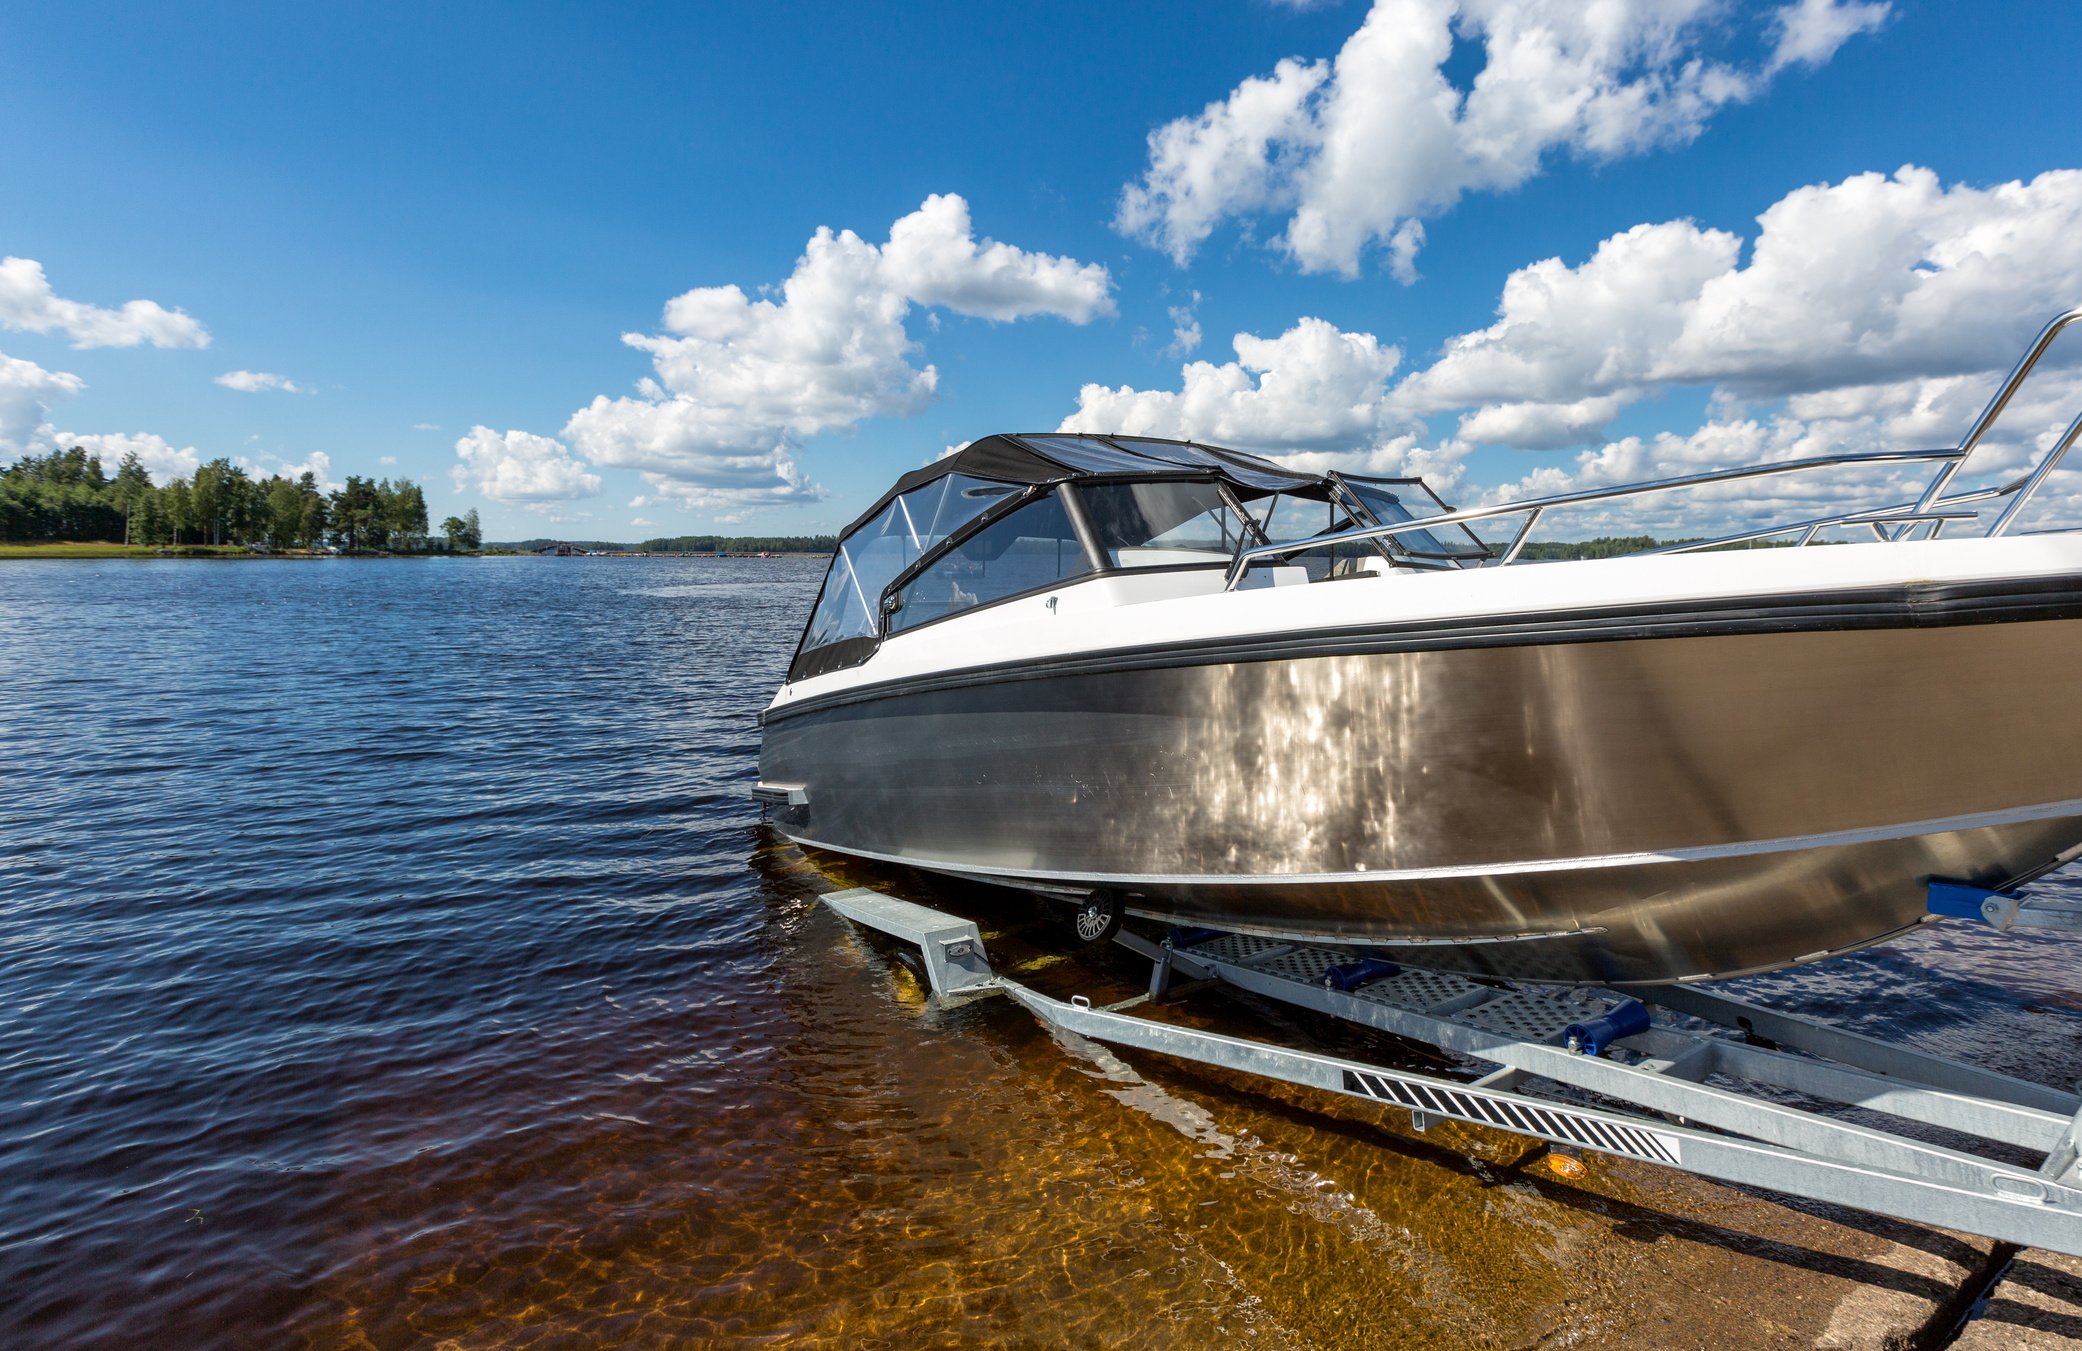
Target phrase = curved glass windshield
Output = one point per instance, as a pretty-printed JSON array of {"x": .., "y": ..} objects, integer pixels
[
  {"x": 1288, "y": 517},
  {"x": 945, "y": 505},
  {"x": 1292, "y": 518},
  {"x": 1390, "y": 509},
  {"x": 1033, "y": 547},
  {"x": 1155, "y": 524},
  {"x": 868, "y": 559}
]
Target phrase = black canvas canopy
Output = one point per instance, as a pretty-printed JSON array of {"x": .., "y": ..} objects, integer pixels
[{"x": 1054, "y": 457}]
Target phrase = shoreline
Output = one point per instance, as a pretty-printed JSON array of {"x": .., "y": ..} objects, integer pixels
[
  {"x": 211, "y": 551},
  {"x": 96, "y": 550}
]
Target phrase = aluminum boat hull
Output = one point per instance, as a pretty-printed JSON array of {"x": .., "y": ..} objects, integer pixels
[{"x": 1599, "y": 807}]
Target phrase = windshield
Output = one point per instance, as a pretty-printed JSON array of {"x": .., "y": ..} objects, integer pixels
[
  {"x": 843, "y": 624},
  {"x": 1389, "y": 508},
  {"x": 1157, "y": 524},
  {"x": 1290, "y": 518},
  {"x": 1033, "y": 547}
]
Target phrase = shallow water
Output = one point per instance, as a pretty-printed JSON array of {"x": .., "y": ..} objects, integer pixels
[{"x": 390, "y": 955}]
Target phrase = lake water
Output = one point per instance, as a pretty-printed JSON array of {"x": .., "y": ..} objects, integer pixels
[{"x": 390, "y": 955}]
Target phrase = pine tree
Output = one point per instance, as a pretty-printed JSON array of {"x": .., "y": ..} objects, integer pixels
[
  {"x": 285, "y": 512},
  {"x": 312, "y": 529},
  {"x": 151, "y": 517},
  {"x": 408, "y": 514},
  {"x": 180, "y": 508},
  {"x": 353, "y": 512},
  {"x": 132, "y": 488}
]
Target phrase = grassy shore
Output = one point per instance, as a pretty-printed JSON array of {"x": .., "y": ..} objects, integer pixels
[
  {"x": 98, "y": 549},
  {"x": 102, "y": 549}
]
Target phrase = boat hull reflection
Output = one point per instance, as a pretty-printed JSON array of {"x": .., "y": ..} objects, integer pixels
[{"x": 1617, "y": 811}]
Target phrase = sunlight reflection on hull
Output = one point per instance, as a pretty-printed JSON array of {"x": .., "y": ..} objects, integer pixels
[{"x": 1490, "y": 793}]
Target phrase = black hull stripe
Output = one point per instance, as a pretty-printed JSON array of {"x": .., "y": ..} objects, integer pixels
[{"x": 1910, "y": 606}]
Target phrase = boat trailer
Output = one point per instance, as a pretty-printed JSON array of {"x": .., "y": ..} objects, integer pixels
[{"x": 1684, "y": 1076}]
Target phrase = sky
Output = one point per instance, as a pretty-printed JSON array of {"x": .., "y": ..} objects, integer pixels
[{"x": 617, "y": 271}]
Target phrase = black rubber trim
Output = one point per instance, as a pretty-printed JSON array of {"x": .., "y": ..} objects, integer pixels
[
  {"x": 1911, "y": 606},
  {"x": 833, "y": 656}
]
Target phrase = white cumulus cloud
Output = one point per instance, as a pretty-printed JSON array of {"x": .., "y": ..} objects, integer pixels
[
  {"x": 934, "y": 258},
  {"x": 1875, "y": 313},
  {"x": 1542, "y": 426},
  {"x": 1918, "y": 413},
  {"x": 1873, "y": 281},
  {"x": 1441, "y": 465},
  {"x": 255, "y": 382},
  {"x": 737, "y": 380},
  {"x": 1185, "y": 328},
  {"x": 1810, "y": 32},
  {"x": 520, "y": 467},
  {"x": 27, "y": 304},
  {"x": 684, "y": 451},
  {"x": 1355, "y": 151},
  {"x": 163, "y": 460},
  {"x": 26, "y": 393},
  {"x": 317, "y": 464},
  {"x": 1315, "y": 397},
  {"x": 1563, "y": 333},
  {"x": 1878, "y": 312},
  {"x": 1315, "y": 387}
]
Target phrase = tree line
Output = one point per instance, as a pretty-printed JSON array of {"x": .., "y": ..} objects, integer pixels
[
  {"x": 66, "y": 497},
  {"x": 741, "y": 544},
  {"x": 1612, "y": 546},
  {"x": 1605, "y": 546}
]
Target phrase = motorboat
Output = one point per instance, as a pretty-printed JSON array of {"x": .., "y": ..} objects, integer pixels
[{"x": 1167, "y": 679}]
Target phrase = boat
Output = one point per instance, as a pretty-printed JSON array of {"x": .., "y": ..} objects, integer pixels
[{"x": 1165, "y": 679}]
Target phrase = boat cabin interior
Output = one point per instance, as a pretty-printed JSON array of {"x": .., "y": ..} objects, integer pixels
[{"x": 1008, "y": 516}]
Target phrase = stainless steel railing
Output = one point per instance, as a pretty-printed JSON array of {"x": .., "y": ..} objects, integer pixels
[
  {"x": 2003, "y": 395},
  {"x": 1535, "y": 507},
  {"x": 1928, "y": 509}
]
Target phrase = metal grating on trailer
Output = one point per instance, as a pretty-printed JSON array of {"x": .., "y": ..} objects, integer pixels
[
  {"x": 1534, "y": 1015},
  {"x": 1306, "y": 965},
  {"x": 1415, "y": 988},
  {"x": 1239, "y": 948}
]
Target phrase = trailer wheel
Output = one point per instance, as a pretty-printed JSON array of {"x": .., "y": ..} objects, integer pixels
[{"x": 1099, "y": 917}]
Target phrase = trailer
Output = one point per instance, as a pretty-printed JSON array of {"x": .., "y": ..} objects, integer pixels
[{"x": 1681, "y": 1076}]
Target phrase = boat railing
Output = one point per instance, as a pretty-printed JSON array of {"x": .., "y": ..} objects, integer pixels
[
  {"x": 1896, "y": 522},
  {"x": 1994, "y": 410}
]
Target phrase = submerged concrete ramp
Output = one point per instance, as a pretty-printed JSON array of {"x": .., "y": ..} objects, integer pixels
[
  {"x": 2036, "y": 1306},
  {"x": 1739, "y": 1268}
]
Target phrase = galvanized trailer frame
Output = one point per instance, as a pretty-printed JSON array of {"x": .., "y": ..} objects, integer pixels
[{"x": 1711, "y": 1100}]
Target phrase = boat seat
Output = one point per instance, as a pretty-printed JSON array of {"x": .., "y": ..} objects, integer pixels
[{"x": 1347, "y": 568}]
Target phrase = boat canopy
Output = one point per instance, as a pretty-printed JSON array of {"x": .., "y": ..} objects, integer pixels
[
  {"x": 1056, "y": 457},
  {"x": 1010, "y": 515}
]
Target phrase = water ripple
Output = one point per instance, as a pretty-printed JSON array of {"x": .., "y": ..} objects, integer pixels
[{"x": 389, "y": 955}]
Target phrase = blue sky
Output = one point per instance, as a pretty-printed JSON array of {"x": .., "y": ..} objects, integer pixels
[{"x": 439, "y": 225}]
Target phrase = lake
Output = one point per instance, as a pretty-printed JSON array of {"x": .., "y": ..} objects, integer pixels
[{"x": 390, "y": 955}]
